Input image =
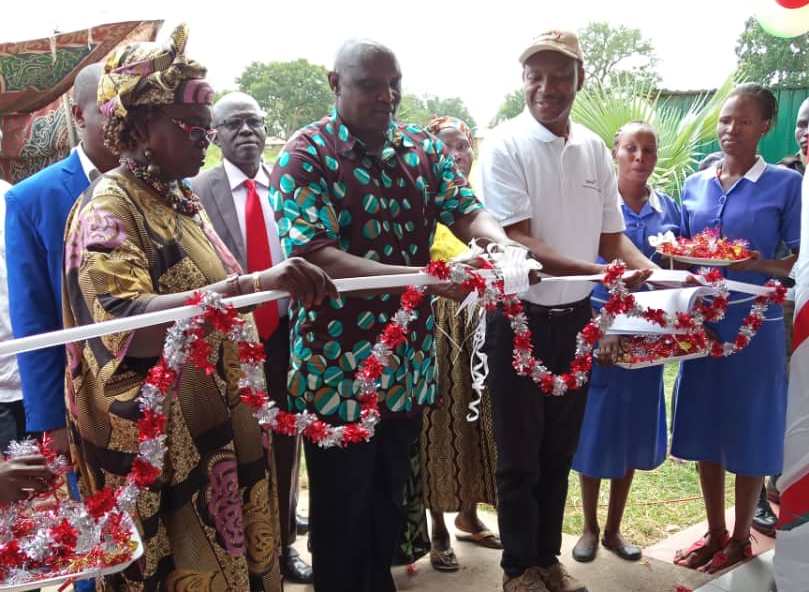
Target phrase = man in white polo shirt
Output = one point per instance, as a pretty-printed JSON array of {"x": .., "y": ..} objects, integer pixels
[{"x": 551, "y": 184}]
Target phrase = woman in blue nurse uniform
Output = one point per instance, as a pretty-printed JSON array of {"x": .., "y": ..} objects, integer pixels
[{"x": 730, "y": 412}]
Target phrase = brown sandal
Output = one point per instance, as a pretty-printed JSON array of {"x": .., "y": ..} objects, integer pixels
[{"x": 444, "y": 560}]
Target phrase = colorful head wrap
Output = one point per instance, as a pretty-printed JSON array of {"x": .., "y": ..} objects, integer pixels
[
  {"x": 148, "y": 74},
  {"x": 446, "y": 122}
]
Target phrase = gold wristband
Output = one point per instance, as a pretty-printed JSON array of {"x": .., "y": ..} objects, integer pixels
[{"x": 256, "y": 275}]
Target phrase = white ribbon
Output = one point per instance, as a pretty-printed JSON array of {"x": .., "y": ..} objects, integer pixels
[
  {"x": 380, "y": 282},
  {"x": 479, "y": 363},
  {"x": 515, "y": 265}
]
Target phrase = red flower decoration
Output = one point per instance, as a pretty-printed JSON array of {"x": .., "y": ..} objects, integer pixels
[
  {"x": 354, "y": 434},
  {"x": 438, "y": 268},
  {"x": 252, "y": 398},
  {"x": 286, "y": 424},
  {"x": 393, "y": 335},
  {"x": 591, "y": 333},
  {"x": 546, "y": 383},
  {"x": 656, "y": 316},
  {"x": 371, "y": 368},
  {"x": 101, "y": 502},
  {"x": 522, "y": 341},
  {"x": 161, "y": 376},
  {"x": 151, "y": 425},
  {"x": 251, "y": 353},
  {"x": 316, "y": 431},
  {"x": 143, "y": 474},
  {"x": 412, "y": 298}
]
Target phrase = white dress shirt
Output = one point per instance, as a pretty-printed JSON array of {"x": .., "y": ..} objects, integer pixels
[
  {"x": 10, "y": 386},
  {"x": 565, "y": 187},
  {"x": 236, "y": 179},
  {"x": 87, "y": 165}
]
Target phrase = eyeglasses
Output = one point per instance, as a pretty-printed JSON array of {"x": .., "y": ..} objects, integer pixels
[
  {"x": 235, "y": 123},
  {"x": 195, "y": 133}
]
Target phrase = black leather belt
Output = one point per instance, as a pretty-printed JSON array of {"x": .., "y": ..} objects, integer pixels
[{"x": 556, "y": 311}]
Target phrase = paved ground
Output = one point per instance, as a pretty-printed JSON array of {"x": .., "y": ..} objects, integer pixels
[{"x": 480, "y": 572}]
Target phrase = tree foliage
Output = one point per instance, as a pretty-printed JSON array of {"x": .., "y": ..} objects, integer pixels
[
  {"x": 772, "y": 61},
  {"x": 292, "y": 93},
  {"x": 420, "y": 110},
  {"x": 617, "y": 55},
  {"x": 512, "y": 105},
  {"x": 681, "y": 135}
]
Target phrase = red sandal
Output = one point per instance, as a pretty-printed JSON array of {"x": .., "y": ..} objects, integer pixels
[
  {"x": 681, "y": 557},
  {"x": 721, "y": 560}
]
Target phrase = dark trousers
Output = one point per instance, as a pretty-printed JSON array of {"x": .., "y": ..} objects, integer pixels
[
  {"x": 356, "y": 508},
  {"x": 286, "y": 449},
  {"x": 12, "y": 423},
  {"x": 536, "y": 435}
]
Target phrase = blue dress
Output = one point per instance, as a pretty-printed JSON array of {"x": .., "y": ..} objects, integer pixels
[
  {"x": 624, "y": 423},
  {"x": 732, "y": 410}
]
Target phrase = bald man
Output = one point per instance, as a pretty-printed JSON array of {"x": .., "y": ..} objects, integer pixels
[
  {"x": 36, "y": 210},
  {"x": 234, "y": 195},
  {"x": 360, "y": 194}
]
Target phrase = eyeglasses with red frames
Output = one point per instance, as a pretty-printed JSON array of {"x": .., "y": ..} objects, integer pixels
[{"x": 195, "y": 133}]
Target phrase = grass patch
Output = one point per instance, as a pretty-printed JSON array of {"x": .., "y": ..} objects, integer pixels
[{"x": 660, "y": 503}]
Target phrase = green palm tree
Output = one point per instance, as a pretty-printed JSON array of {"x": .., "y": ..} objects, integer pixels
[{"x": 681, "y": 133}]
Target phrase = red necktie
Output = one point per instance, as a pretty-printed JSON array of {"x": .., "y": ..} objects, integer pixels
[{"x": 259, "y": 257}]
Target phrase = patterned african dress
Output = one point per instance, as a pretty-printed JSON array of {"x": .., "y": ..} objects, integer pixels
[
  {"x": 454, "y": 462},
  {"x": 327, "y": 190},
  {"x": 212, "y": 522}
]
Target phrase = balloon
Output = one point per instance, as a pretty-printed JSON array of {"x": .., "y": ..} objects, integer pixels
[{"x": 783, "y": 18}]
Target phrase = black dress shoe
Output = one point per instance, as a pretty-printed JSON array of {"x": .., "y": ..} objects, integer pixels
[
  {"x": 764, "y": 519},
  {"x": 294, "y": 569},
  {"x": 624, "y": 550},
  {"x": 301, "y": 524},
  {"x": 585, "y": 549}
]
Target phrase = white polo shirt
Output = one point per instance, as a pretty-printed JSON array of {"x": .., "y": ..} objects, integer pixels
[{"x": 566, "y": 188}]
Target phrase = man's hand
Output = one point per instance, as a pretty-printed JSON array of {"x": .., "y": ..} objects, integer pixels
[
  {"x": 59, "y": 441},
  {"x": 452, "y": 291},
  {"x": 637, "y": 279},
  {"x": 22, "y": 477},
  {"x": 609, "y": 349},
  {"x": 301, "y": 279},
  {"x": 751, "y": 264}
]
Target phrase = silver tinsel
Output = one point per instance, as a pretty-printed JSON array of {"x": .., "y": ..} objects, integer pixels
[
  {"x": 334, "y": 437},
  {"x": 25, "y": 447},
  {"x": 382, "y": 352},
  {"x": 304, "y": 420},
  {"x": 154, "y": 451},
  {"x": 36, "y": 546},
  {"x": 267, "y": 414},
  {"x": 150, "y": 398},
  {"x": 128, "y": 497},
  {"x": 17, "y": 577}
]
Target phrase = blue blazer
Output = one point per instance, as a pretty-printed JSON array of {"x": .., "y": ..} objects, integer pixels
[{"x": 36, "y": 212}]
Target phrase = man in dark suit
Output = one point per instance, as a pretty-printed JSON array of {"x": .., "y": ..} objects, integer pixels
[
  {"x": 235, "y": 196},
  {"x": 36, "y": 211}
]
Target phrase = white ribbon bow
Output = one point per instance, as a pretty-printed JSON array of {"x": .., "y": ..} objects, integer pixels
[{"x": 662, "y": 238}]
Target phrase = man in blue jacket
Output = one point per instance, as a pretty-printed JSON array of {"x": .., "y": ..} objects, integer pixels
[{"x": 36, "y": 211}]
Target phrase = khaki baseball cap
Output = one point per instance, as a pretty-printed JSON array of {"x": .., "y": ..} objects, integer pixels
[{"x": 563, "y": 42}]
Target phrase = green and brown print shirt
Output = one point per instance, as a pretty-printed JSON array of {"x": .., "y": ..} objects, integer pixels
[{"x": 327, "y": 190}]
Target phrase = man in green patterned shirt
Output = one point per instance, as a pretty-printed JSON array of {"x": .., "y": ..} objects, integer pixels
[{"x": 359, "y": 194}]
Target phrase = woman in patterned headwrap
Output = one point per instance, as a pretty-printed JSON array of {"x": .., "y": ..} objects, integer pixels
[
  {"x": 453, "y": 464},
  {"x": 139, "y": 241}
]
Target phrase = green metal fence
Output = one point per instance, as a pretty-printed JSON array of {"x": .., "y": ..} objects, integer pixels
[{"x": 777, "y": 144}]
